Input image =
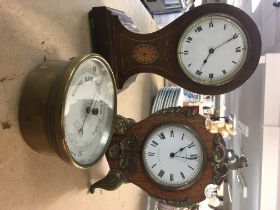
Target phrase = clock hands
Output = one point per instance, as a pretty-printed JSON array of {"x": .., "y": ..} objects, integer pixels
[
  {"x": 172, "y": 154},
  {"x": 212, "y": 50},
  {"x": 192, "y": 157},
  {"x": 232, "y": 38}
]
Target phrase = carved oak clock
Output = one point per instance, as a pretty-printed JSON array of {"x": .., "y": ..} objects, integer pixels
[
  {"x": 211, "y": 49},
  {"x": 170, "y": 155}
]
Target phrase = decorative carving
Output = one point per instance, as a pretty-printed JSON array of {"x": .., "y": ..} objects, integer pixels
[
  {"x": 160, "y": 63},
  {"x": 125, "y": 152},
  {"x": 181, "y": 204},
  {"x": 235, "y": 162},
  {"x": 187, "y": 111},
  {"x": 111, "y": 181},
  {"x": 122, "y": 124},
  {"x": 225, "y": 159},
  {"x": 145, "y": 53}
]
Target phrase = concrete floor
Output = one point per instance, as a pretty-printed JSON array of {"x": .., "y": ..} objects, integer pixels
[{"x": 32, "y": 30}]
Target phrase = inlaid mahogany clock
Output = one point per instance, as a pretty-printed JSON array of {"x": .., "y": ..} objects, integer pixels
[
  {"x": 211, "y": 49},
  {"x": 170, "y": 155}
]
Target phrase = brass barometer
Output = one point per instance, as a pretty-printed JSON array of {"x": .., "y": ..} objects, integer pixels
[{"x": 68, "y": 108}]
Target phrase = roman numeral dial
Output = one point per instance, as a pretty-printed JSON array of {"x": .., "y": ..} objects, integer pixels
[
  {"x": 216, "y": 48},
  {"x": 173, "y": 155}
]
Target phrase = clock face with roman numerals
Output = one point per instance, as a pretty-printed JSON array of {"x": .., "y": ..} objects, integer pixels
[
  {"x": 174, "y": 156},
  {"x": 213, "y": 49}
]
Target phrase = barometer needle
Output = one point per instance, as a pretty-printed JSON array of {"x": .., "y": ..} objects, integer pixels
[{"x": 81, "y": 130}]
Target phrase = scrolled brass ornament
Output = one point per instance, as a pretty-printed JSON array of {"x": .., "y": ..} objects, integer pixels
[
  {"x": 122, "y": 124},
  {"x": 110, "y": 182},
  {"x": 125, "y": 153},
  {"x": 187, "y": 111},
  {"x": 235, "y": 162},
  {"x": 225, "y": 160},
  {"x": 188, "y": 203}
]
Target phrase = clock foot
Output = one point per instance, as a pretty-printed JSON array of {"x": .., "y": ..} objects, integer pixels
[{"x": 110, "y": 182}]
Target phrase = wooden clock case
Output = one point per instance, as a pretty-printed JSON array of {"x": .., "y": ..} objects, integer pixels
[
  {"x": 118, "y": 45},
  {"x": 125, "y": 156}
]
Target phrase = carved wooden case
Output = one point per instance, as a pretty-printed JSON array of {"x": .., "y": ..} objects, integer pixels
[{"x": 125, "y": 154}]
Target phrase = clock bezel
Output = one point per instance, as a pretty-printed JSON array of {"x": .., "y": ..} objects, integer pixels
[
  {"x": 236, "y": 70},
  {"x": 175, "y": 186},
  {"x": 253, "y": 52}
]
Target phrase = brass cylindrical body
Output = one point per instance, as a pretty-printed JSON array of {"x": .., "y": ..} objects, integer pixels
[{"x": 33, "y": 105}]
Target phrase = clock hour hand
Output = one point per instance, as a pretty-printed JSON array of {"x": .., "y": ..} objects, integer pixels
[
  {"x": 211, "y": 51},
  {"x": 172, "y": 154}
]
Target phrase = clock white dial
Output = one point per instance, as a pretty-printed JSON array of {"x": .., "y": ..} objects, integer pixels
[
  {"x": 88, "y": 111},
  {"x": 212, "y": 50},
  {"x": 174, "y": 156}
]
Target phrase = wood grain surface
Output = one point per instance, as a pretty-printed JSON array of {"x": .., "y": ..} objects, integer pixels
[
  {"x": 116, "y": 44},
  {"x": 140, "y": 178}
]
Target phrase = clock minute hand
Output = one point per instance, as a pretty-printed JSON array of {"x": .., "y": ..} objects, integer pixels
[
  {"x": 188, "y": 158},
  {"x": 234, "y": 37},
  {"x": 212, "y": 50},
  {"x": 180, "y": 156}
]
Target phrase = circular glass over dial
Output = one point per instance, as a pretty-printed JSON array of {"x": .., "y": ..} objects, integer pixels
[
  {"x": 89, "y": 110},
  {"x": 212, "y": 50},
  {"x": 174, "y": 156}
]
